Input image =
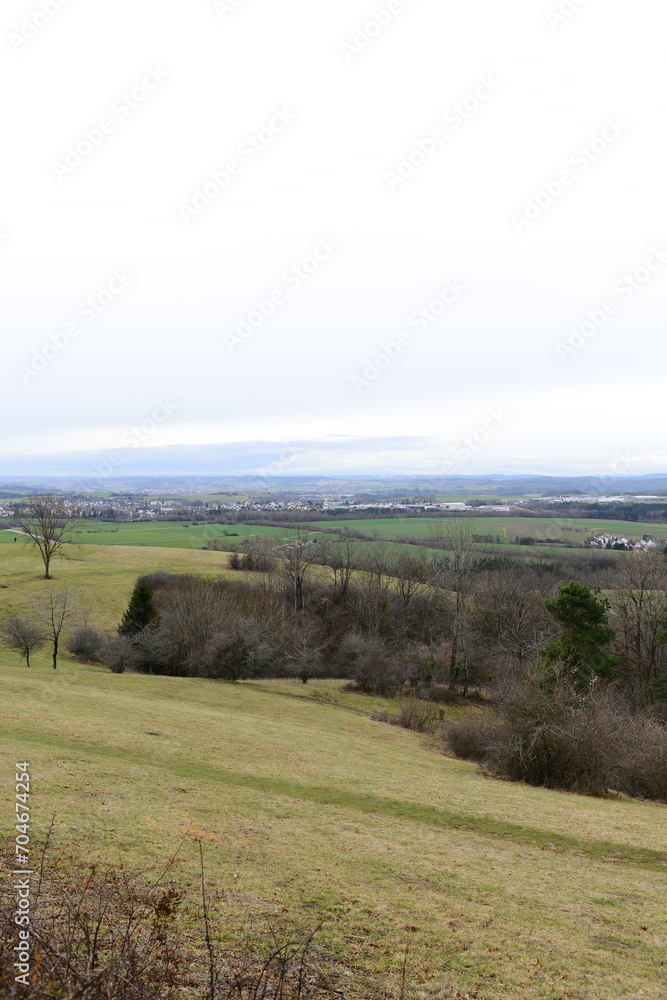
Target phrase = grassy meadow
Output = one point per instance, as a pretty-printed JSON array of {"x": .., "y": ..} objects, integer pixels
[
  {"x": 307, "y": 806},
  {"x": 101, "y": 577},
  {"x": 164, "y": 534}
]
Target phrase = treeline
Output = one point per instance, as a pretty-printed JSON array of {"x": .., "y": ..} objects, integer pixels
[
  {"x": 290, "y": 518},
  {"x": 390, "y": 620},
  {"x": 630, "y": 511}
]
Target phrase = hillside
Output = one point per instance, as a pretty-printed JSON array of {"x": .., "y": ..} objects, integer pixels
[{"x": 305, "y": 803}]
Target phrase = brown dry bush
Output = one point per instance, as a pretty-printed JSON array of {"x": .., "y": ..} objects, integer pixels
[
  {"x": 107, "y": 938},
  {"x": 86, "y": 644},
  {"x": 555, "y": 738},
  {"x": 472, "y": 739},
  {"x": 422, "y": 717},
  {"x": 113, "y": 936},
  {"x": 644, "y": 773}
]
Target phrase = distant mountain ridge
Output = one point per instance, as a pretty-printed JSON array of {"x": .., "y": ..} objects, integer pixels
[{"x": 417, "y": 485}]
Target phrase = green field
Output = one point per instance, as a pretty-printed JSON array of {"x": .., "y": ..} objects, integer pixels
[
  {"x": 165, "y": 534},
  {"x": 176, "y": 534},
  {"x": 508, "y": 528}
]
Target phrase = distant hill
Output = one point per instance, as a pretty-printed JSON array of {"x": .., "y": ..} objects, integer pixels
[{"x": 376, "y": 486}]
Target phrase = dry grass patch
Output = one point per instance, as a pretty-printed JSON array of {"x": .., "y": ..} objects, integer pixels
[{"x": 103, "y": 576}]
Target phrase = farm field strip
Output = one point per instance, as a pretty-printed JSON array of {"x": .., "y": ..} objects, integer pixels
[
  {"x": 502, "y": 529},
  {"x": 557, "y": 529}
]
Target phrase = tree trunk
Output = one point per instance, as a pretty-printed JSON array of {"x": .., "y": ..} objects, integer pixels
[
  {"x": 55, "y": 653},
  {"x": 452, "y": 661}
]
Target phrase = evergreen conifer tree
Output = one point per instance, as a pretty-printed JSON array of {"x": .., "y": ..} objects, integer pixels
[{"x": 140, "y": 611}]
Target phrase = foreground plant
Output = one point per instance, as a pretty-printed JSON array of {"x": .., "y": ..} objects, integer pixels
[{"x": 117, "y": 936}]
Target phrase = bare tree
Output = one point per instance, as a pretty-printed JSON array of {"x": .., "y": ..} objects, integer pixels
[
  {"x": 340, "y": 554},
  {"x": 377, "y": 563},
  {"x": 298, "y": 556},
  {"x": 639, "y": 617},
  {"x": 456, "y": 570},
  {"x": 23, "y": 635},
  {"x": 47, "y": 522},
  {"x": 304, "y": 647},
  {"x": 189, "y": 616},
  {"x": 409, "y": 572},
  {"x": 57, "y": 610}
]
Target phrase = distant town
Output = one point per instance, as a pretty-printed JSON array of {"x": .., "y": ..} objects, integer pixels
[{"x": 143, "y": 507}]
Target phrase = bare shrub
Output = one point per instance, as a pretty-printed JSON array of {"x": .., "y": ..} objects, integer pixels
[
  {"x": 114, "y": 936},
  {"x": 644, "y": 772},
  {"x": 86, "y": 643},
  {"x": 370, "y": 664},
  {"x": 238, "y": 652},
  {"x": 422, "y": 716},
  {"x": 472, "y": 739},
  {"x": 118, "y": 653},
  {"x": 107, "y": 939},
  {"x": 555, "y": 738}
]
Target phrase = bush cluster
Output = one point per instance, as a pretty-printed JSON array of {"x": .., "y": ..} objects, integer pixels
[
  {"x": 234, "y": 630},
  {"x": 556, "y": 737}
]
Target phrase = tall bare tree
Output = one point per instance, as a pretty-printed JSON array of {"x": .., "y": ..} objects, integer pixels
[
  {"x": 47, "y": 522},
  {"x": 377, "y": 560},
  {"x": 639, "y": 616},
  {"x": 341, "y": 555},
  {"x": 304, "y": 646},
  {"x": 410, "y": 573},
  {"x": 456, "y": 568},
  {"x": 57, "y": 611},
  {"x": 298, "y": 556},
  {"x": 508, "y": 614}
]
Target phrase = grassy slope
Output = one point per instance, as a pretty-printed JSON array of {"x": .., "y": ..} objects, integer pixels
[
  {"x": 307, "y": 803},
  {"x": 304, "y": 801},
  {"x": 101, "y": 576}
]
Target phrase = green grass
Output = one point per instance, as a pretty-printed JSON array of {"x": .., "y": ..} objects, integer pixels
[
  {"x": 558, "y": 529},
  {"x": 165, "y": 534},
  {"x": 307, "y": 804}
]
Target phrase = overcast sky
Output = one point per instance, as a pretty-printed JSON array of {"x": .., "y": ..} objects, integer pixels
[{"x": 423, "y": 236}]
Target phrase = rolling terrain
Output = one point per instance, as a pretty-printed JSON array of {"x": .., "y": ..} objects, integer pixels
[{"x": 309, "y": 807}]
